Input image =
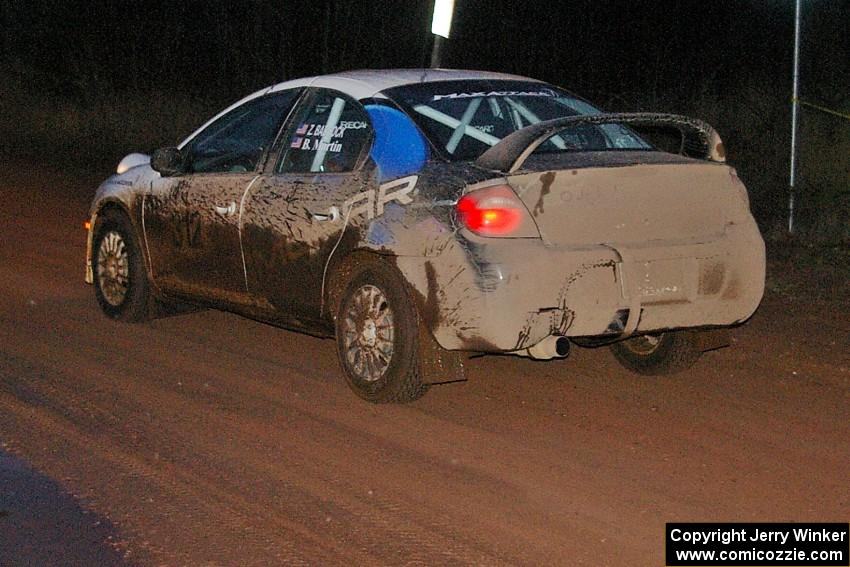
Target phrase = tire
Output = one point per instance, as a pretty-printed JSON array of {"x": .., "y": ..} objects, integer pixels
[
  {"x": 120, "y": 279},
  {"x": 377, "y": 336},
  {"x": 658, "y": 354}
]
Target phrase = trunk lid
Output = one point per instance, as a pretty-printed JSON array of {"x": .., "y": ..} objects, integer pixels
[{"x": 636, "y": 203}]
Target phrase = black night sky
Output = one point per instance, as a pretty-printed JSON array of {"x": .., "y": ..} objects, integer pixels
[{"x": 106, "y": 77}]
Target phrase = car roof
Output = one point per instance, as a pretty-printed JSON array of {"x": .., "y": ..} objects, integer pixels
[{"x": 368, "y": 83}]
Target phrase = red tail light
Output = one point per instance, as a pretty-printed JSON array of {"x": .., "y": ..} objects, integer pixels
[{"x": 495, "y": 211}]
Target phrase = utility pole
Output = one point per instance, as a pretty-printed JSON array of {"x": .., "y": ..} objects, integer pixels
[
  {"x": 441, "y": 25},
  {"x": 795, "y": 105}
]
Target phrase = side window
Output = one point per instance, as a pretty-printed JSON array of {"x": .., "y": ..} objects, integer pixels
[
  {"x": 236, "y": 141},
  {"x": 330, "y": 136},
  {"x": 399, "y": 148}
]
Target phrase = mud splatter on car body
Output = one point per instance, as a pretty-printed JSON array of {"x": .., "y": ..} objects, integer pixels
[{"x": 617, "y": 237}]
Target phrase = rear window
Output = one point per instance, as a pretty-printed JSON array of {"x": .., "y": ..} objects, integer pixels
[{"x": 464, "y": 119}]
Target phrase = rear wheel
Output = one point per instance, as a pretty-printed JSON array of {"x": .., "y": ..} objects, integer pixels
[
  {"x": 658, "y": 354},
  {"x": 376, "y": 334},
  {"x": 120, "y": 281}
]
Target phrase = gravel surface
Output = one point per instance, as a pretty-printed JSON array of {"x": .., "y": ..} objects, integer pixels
[{"x": 208, "y": 439}]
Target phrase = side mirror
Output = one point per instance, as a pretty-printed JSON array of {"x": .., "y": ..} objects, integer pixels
[{"x": 168, "y": 161}]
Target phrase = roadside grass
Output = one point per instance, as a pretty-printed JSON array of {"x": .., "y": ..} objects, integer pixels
[
  {"x": 808, "y": 272},
  {"x": 97, "y": 132}
]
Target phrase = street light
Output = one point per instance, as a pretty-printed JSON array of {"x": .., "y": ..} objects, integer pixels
[{"x": 441, "y": 24}]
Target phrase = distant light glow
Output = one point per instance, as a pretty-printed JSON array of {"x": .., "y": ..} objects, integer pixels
[{"x": 442, "y": 22}]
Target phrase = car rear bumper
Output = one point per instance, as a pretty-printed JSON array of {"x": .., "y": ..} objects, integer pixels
[{"x": 509, "y": 295}]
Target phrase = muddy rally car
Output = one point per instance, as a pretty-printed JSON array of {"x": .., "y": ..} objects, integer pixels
[{"x": 416, "y": 215}]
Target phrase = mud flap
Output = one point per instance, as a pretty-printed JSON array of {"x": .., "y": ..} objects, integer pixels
[
  {"x": 712, "y": 339},
  {"x": 436, "y": 364}
]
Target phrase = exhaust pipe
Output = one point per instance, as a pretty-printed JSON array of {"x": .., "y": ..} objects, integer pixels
[{"x": 550, "y": 347}]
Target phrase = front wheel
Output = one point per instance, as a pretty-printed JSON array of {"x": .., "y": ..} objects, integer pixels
[
  {"x": 120, "y": 280},
  {"x": 658, "y": 354},
  {"x": 376, "y": 335}
]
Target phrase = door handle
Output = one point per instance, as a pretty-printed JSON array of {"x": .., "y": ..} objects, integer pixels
[
  {"x": 228, "y": 210},
  {"x": 332, "y": 215}
]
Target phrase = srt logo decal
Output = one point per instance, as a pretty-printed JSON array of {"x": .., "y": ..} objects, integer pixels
[{"x": 371, "y": 203}]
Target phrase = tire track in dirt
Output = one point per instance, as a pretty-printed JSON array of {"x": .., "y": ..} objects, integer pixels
[
  {"x": 59, "y": 396},
  {"x": 172, "y": 484}
]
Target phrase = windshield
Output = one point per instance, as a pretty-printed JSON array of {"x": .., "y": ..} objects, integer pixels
[{"x": 465, "y": 118}]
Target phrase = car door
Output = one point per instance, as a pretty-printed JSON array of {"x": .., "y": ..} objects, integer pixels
[
  {"x": 316, "y": 196},
  {"x": 191, "y": 221}
]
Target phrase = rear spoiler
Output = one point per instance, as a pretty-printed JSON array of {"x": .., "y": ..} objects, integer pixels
[{"x": 699, "y": 139}]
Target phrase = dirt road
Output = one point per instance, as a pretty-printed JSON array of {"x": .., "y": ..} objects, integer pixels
[{"x": 208, "y": 439}]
